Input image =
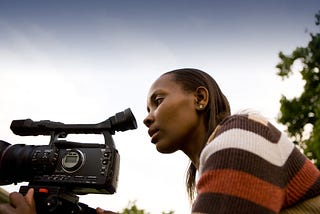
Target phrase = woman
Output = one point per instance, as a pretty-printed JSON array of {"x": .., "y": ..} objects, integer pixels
[
  {"x": 245, "y": 164},
  {"x": 184, "y": 108}
]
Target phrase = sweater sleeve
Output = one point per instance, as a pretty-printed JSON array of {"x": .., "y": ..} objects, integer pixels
[{"x": 245, "y": 168}]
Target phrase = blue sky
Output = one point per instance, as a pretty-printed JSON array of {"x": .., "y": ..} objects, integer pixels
[
  {"x": 98, "y": 27},
  {"x": 82, "y": 61}
]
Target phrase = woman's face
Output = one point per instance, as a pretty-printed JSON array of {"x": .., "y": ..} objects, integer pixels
[{"x": 173, "y": 119}]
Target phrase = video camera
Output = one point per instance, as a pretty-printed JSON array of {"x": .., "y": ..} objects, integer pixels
[{"x": 63, "y": 169}]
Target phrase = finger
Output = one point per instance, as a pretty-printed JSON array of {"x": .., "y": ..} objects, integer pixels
[
  {"x": 102, "y": 211},
  {"x": 6, "y": 209},
  {"x": 99, "y": 210},
  {"x": 29, "y": 197},
  {"x": 16, "y": 199}
]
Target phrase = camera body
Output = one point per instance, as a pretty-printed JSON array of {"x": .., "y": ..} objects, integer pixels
[
  {"x": 84, "y": 168},
  {"x": 64, "y": 168}
]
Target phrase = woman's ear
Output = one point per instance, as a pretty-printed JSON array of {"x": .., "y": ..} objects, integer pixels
[{"x": 202, "y": 98}]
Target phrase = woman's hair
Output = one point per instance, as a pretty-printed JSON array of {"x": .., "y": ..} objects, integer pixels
[{"x": 216, "y": 110}]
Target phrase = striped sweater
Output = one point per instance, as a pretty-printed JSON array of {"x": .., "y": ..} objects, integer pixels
[{"x": 249, "y": 166}]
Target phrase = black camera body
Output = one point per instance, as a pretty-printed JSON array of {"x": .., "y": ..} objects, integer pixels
[
  {"x": 63, "y": 168},
  {"x": 84, "y": 168}
]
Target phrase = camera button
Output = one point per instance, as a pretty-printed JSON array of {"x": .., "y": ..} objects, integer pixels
[{"x": 43, "y": 190}]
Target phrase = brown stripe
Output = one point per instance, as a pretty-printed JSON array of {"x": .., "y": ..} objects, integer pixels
[
  {"x": 313, "y": 191},
  {"x": 301, "y": 182},
  {"x": 226, "y": 204},
  {"x": 268, "y": 132},
  {"x": 293, "y": 165},
  {"x": 245, "y": 161},
  {"x": 248, "y": 162},
  {"x": 242, "y": 185}
]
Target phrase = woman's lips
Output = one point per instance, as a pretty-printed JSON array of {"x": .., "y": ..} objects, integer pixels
[{"x": 153, "y": 133}]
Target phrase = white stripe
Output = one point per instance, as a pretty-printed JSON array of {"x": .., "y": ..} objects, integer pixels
[{"x": 275, "y": 153}]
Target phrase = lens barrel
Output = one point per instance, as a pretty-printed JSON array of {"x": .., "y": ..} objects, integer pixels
[{"x": 22, "y": 162}]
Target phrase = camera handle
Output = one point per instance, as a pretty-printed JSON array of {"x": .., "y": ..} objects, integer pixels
[{"x": 57, "y": 200}]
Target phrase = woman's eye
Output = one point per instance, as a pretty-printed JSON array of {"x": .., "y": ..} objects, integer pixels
[{"x": 158, "y": 101}]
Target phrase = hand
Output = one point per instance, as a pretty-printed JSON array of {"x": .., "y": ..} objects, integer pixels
[
  {"x": 101, "y": 211},
  {"x": 19, "y": 204}
]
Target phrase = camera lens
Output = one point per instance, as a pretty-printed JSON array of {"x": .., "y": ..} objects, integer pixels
[
  {"x": 3, "y": 147},
  {"x": 20, "y": 162}
]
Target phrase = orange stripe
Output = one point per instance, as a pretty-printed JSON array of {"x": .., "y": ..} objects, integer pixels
[
  {"x": 242, "y": 185},
  {"x": 301, "y": 182}
]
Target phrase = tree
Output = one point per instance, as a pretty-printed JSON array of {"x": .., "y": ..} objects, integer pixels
[
  {"x": 133, "y": 209},
  {"x": 298, "y": 113}
]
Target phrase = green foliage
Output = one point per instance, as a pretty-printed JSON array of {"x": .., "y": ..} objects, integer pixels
[
  {"x": 300, "y": 111},
  {"x": 133, "y": 209}
]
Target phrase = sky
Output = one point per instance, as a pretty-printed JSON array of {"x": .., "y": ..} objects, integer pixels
[{"x": 83, "y": 61}]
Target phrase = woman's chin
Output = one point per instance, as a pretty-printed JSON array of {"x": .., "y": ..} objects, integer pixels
[{"x": 164, "y": 149}]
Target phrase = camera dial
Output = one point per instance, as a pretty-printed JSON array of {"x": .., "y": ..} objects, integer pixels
[{"x": 72, "y": 160}]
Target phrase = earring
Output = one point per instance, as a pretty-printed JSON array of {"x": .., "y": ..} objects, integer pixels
[{"x": 201, "y": 106}]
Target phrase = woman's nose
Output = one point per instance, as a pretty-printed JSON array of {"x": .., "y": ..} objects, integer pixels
[{"x": 148, "y": 120}]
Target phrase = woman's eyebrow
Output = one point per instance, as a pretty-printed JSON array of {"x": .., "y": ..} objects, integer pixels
[
  {"x": 150, "y": 98},
  {"x": 154, "y": 94}
]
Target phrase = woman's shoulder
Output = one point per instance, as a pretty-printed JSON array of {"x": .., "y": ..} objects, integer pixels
[
  {"x": 247, "y": 121},
  {"x": 249, "y": 132}
]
